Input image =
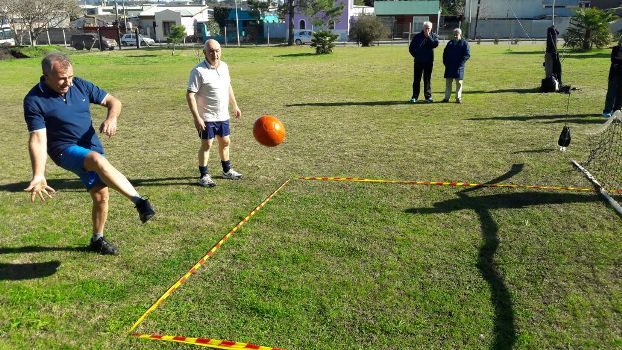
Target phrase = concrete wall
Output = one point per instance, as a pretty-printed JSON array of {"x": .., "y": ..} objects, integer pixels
[{"x": 501, "y": 29}]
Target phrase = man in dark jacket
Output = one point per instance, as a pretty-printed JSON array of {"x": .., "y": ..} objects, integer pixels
[
  {"x": 421, "y": 48},
  {"x": 455, "y": 55},
  {"x": 613, "y": 100}
]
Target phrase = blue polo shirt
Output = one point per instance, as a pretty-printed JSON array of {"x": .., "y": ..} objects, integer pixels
[{"x": 66, "y": 119}]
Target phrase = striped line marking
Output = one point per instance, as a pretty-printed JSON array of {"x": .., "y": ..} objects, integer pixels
[
  {"x": 207, "y": 342},
  {"x": 227, "y": 344},
  {"x": 452, "y": 184},
  {"x": 200, "y": 263}
]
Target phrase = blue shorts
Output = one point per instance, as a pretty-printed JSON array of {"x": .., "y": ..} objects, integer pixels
[
  {"x": 215, "y": 128},
  {"x": 72, "y": 159}
]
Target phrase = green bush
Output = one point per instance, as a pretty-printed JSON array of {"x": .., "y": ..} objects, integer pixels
[
  {"x": 588, "y": 28},
  {"x": 323, "y": 41},
  {"x": 368, "y": 28}
]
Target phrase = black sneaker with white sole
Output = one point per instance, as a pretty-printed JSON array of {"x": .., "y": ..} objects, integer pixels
[
  {"x": 102, "y": 247},
  {"x": 145, "y": 210}
]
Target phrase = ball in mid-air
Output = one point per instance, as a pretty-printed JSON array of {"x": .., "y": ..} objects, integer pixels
[{"x": 269, "y": 130}]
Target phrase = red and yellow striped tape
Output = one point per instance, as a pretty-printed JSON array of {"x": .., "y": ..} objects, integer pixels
[
  {"x": 200, "y": 263},
  {"x": 226, "y": 344},
  {"x": 453, "y": 184},
  {"x": 211, "y": 343}
]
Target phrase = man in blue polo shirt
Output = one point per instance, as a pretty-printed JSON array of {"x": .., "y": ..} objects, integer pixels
[{"x": 59, "y": 120}]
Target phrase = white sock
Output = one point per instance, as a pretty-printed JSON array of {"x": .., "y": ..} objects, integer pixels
[{"x": 97, "y": 236}]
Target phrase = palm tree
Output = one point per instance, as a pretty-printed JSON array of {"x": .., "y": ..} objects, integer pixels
[{"x": 589, "y": 28}]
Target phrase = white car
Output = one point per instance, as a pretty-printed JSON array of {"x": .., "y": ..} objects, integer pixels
[
  {"x": 303, "y": 37},
  {"x": 130, "y": 39}
]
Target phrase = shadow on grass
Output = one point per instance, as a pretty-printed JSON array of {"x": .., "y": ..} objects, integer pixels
[
  {"x": 293, "y": 55},
  {"x": 351, "y": 103},
  {"x": 550, "y": 119},
  {"x": 535, "y": 90},
  {"x": 563, "y": 54},
  {"x": 18, "y": 272},
  {"x": 75, "y": 185},
  {"x": 541, "y": 150},
  {"x": 26, "y": 271},
  {"x": 141, "y": 56},
  {"x": 505, "y": 328},
  {"x": 590, "y": 55}
]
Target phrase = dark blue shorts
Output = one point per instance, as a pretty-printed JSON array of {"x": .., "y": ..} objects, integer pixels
[
  {"x": 72, "y": 159},
  {"x": 215, "y": 128}
]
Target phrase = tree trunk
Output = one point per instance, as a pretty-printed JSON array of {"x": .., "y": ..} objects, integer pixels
[
  {"x": 290, "y": 12},
  {"x": 586, "y": 39}
]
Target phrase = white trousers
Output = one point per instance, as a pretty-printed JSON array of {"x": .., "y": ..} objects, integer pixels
[{"x": 448, "y": 83}]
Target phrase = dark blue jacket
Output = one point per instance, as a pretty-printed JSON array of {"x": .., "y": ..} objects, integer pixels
[
  {"x": 615, "y": 70},
  {"x": 421, "y": 48},
  {"x": 455, "y": 55}
]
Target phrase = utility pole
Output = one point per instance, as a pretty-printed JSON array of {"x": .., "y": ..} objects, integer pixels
[
  {"x": 237, "y": 22},
  {"x": 116, "y": 10},
  {"x": 479, "y": 2}
]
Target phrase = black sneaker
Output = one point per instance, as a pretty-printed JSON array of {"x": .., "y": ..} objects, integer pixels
[
  {"x": 102, "y": 247},
  {"x": 145, "y": 210}
]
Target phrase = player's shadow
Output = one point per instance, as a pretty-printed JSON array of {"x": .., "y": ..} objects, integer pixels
[
  {"x": 75, "y": 185},
  {"x": 351, "y": 103},
  {"x": 583, "y": 118},
  {"x": 294, "y": 55},
  {"x": 541, "y": 150},
  {"x": 505, "y": 327},
  {"x": 500, "y": 91},
  {"x": 26, "y": 271}
]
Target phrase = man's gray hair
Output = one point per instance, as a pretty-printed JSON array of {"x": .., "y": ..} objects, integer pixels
[
  {"x": 458, "y": 30},
  {"x": 208, "y": 41},
  {"x": 428, "y": 23},
  {"x": 47, "y": 64}
]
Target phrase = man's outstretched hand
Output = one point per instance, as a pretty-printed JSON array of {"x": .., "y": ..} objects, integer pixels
[{"x": 39, "y": 187}]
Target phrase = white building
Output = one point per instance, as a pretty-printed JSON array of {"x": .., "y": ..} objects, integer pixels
[
  {"x": 519, "y": 18},
  {"x": 156, "y": 21}
]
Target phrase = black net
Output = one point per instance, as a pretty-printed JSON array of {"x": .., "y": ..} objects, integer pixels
[{"x": 605, "y": 159}]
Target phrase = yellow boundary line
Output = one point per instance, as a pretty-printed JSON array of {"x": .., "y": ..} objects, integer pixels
[{"x": 227, "y": 344}]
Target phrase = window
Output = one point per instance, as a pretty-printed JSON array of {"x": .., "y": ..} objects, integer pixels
[
  {"x": 302, "y": 24},
  {"x": 166, "y": 28}
]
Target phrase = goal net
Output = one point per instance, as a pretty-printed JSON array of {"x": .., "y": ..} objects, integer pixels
[{"x": 603, "y": 166}]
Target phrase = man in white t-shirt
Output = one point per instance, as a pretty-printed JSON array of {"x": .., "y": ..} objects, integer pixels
[{"x": 209, "y": 95}]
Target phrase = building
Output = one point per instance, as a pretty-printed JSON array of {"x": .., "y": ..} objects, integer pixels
[
  {"x": 340, "y": 26},
  {"x": 518, "y": 18},
  {"x": 407, "y": 17},
  {"x": 156, "y": 21}
]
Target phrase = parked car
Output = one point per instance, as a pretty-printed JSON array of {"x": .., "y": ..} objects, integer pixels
[
  {"x": 91, "y": 40},
  {"x": 130, "y": 39},
  {"x": 303, "y": 37}
]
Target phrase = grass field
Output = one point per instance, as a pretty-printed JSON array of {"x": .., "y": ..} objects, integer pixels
[{"x": 324, "y": 265}]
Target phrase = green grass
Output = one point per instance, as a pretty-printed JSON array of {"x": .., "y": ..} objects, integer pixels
[{"x": 323, "y": 265}]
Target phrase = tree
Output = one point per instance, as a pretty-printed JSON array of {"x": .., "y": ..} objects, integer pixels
[
  {"x": 588, "y": 28},
  {"x": 323, "y": 41},
  {"x": 39, "y": 15},
  {"x": 323, "y": 11},
  {"x": 259, "y": 7},
  {"x": 220, "y": 16},
  {"x": 213, "y": 27},
  {"x": 452, "y": 7},
  {"x": 177, "y": 34},
  {"x": 368, "y": 28}
]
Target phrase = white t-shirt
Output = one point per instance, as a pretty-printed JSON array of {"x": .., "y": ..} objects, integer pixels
[{"x": 211, "y": 86}]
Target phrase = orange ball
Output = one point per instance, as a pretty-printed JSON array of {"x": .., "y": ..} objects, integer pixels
[{"x": 269, "y": 130}]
